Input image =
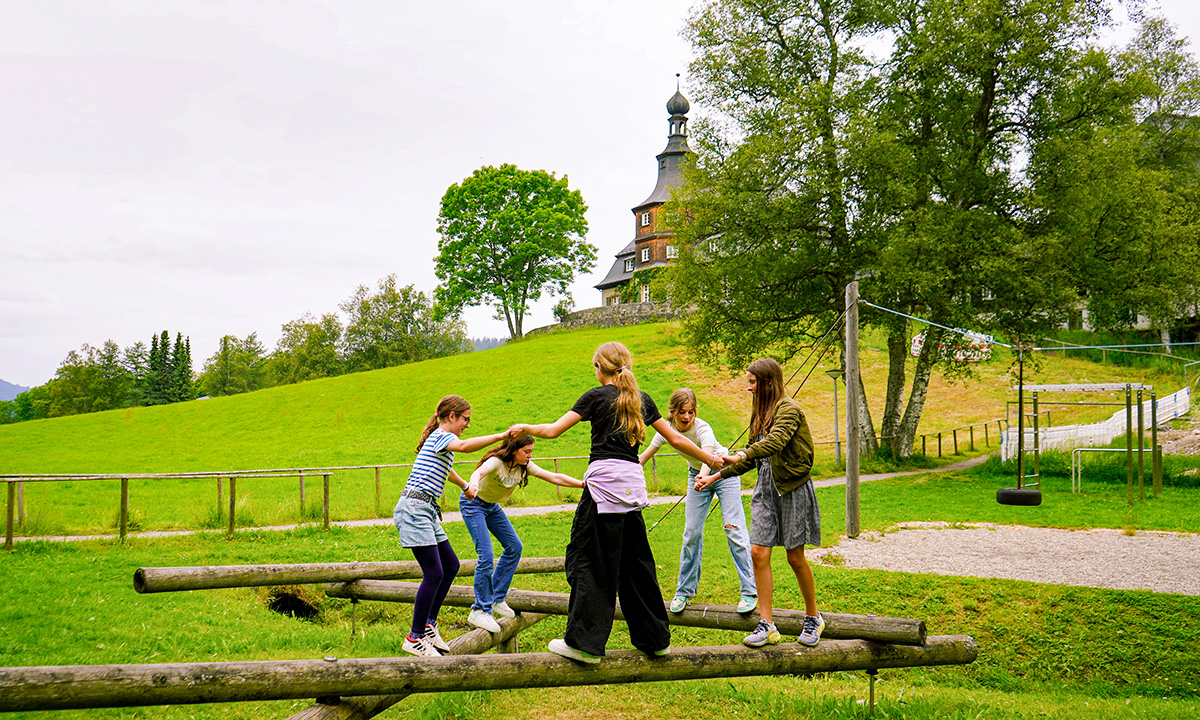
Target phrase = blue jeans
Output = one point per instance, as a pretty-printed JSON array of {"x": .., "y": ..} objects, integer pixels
[
  {"x": 492, "y": 579},
  {"x": 728, "y": 492}
]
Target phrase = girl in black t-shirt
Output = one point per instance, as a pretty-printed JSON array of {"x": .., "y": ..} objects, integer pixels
[{"x": 608, "y": 554}]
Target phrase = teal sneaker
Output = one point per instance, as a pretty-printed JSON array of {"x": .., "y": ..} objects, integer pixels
[
  {"x": 747, "y": 604},
  {"x": 679, "y": 603}
]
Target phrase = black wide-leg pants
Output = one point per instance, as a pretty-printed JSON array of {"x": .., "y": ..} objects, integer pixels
[{"x": 608, "y": 557}]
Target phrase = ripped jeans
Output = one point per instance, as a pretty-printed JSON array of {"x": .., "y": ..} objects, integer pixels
[{"x": 728, "y": 492}]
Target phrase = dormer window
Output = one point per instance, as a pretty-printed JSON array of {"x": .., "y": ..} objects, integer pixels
[
  {"x": 645, "y": 219},
  {"x": 629, "y": 265},
  {"x": 645, "y": 255}
]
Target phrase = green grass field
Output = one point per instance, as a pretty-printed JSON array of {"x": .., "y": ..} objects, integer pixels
[{"x": 1046, "y": 650}]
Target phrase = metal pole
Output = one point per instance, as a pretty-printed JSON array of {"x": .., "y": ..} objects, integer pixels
[
  {"x": 852, "y": 429},
  {"x": 1154, "y": 444},
  {"x": 1141, "y": 445},
  {"x": 1037, "y": 443},
  {"x": 837, "y": 441},
  {"x": 1020, "y": 418},
  {"x": 1128, "y": 445}
]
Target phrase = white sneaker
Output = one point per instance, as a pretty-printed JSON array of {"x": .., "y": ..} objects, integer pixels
[
  {"x": 434, "y": 638},
  {"x": 480, "y": 619},
  {"x": 503, "y": 610},
  {"x": 419, "y": 647},
  {"x": 560, "y": 647}
]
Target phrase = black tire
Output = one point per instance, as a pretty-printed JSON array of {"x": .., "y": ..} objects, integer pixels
[{"x": 1019, "y": 496}]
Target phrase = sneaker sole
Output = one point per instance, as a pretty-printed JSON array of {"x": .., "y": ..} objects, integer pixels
[{"x": 569, "y": 656}]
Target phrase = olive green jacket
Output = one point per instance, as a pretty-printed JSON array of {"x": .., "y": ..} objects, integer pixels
[{"x": 789, "y": 445}]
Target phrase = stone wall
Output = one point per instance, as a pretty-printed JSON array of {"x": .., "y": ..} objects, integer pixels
[{"x": 610, "y": 316}]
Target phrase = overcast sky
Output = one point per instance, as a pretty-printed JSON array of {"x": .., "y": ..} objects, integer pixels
[{"x": 221, "y": 168}]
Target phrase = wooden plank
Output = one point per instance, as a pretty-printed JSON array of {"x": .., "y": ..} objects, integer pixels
[
  {"x": 906, "y": 631},
  {"x": 93, "y": 686},
  {"x": 209, "y": 577}
]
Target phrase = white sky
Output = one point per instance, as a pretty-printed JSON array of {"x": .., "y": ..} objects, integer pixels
[{"x": 218, "y": 168}]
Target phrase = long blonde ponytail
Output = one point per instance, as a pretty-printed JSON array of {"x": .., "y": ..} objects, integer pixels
[{"x": 613, "y": 359}]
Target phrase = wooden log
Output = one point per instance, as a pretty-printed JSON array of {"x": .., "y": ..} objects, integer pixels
[
  {"x": 471, "y": 643},
  {"x": 209, "y": 577},
  {"x": 905, "y": 631},
  {"x": 93, "y": 686}
]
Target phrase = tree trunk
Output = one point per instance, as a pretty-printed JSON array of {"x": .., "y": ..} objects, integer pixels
[
  {"x": 930, "y": 353},
  {"x": 897, "y": 341},
  {"x": 868, "y": 444}
]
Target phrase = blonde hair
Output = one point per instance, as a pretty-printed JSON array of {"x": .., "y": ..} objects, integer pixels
[
  {"x": 613, "y": 359},
  {"x": 680, "y": 399},
  {"x": 768, "y": 390},
  {"x": 447, "y": 406}
]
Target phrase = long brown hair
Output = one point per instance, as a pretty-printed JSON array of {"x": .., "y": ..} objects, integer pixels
[
  {"x": 768, "y": 390},
  {"x": 507, "y": 452},
  {"x": 447, "y": 406},
  {"x": 614, "y": 360},
  {"x": 680, "y": 399}
]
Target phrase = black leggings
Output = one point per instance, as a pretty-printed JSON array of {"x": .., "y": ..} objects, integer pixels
[{"x": 439, "y": 566}]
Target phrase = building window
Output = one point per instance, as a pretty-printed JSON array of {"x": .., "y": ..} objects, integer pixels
[
  {"x": 629, "y": 265},
  {"x": 645, "y": 255},
  {"x": 672, "y": 252},
  {"x": 645, "y": 293},
  {"x": 645, "y": 219}
]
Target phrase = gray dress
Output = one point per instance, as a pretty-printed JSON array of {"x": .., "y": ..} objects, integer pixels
[{"x": 788, "y": 520}]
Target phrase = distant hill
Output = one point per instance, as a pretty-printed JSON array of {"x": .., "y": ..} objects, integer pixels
[
  {"x": 487, "y": 343},
  {"x": 8, "y": 391}
]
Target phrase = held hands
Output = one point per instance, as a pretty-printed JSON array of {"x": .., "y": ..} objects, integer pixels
[
  {"x": 471, "y": 490},
  {"x": 703, "y": 481},
  {"x": 517, "y": 430},
  {"x": 717, "y": 463}
]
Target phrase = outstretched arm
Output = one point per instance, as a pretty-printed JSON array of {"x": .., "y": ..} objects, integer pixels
[
  {"x": 475, "y": 443},
  {"x": 548, "y": 431},
  {"x": 647, "y": 454},
  {"x": 557, "y": 478}
]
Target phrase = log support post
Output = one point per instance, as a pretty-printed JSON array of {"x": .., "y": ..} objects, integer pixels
[{"x": 124, "y": 513}]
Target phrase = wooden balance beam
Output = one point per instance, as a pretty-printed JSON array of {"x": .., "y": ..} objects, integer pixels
[
  {"x": 210, "y": 577},
  {"x": 904, "y": 631},
  {"x": 94, "y": 686}
]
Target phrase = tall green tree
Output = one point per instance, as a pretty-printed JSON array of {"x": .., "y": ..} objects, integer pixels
[
  {"x": 237, "y": 367},
  {"x": 394, "y": 326},
  {"x": 182, "y": 386},
  {"x": 508, "y": 236}
]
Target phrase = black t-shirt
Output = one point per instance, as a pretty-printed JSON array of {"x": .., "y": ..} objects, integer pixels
[{"x": 608, "y": 442}]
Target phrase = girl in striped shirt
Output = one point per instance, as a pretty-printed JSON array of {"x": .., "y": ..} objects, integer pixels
[{"x": 418, "y": 517}]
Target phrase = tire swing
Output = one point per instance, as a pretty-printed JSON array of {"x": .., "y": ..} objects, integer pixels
[{"x": 1021, "y": 495}]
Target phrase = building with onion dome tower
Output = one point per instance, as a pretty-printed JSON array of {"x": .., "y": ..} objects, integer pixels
[{"x": 651, "y": 247}]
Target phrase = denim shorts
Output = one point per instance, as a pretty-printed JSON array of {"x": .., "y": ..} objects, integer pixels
[{"x": 417, "y": 522}]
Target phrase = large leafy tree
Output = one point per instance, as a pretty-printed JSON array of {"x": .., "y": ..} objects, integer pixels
[
  {"x": 394, "y": 326},
  {"x": 508, "y": 236},
  {"x": 238, "y": 366}
]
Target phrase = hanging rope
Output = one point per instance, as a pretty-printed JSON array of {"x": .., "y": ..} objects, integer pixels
[{"x": 822, "y": 343}]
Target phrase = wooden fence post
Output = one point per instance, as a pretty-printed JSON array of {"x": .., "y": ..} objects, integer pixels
[
  {"x": 232, "y": 503},
  {"x": 986, "y": 441},
  {"x": 557, "y": 488},
  {"x": 1141, "y": 448},
  {"x": 955, "y": 431},
  {"x": 8, "y": 523},
  {"x": 923, "y": 446},
  {"x": 378, "y": 489},
  {"x": 853, "y": 431},
  {"x": 21, "y": 504},
  {"x": 302, "y": 499},
  {"x": 325, "y": 478},
  {"x": 220, "y": 498},
  {"x": 939, "y": 444},
  {"x": 1157, "y": 456},
  {"x": 654, "y": 471},
  {"x": 972, "y": 429},
  {"x": 124, "y": 523}
]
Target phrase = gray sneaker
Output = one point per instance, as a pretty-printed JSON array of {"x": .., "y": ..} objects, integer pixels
[
  {"x": 765, "y": 634},
  {"x": 503, "y": 610},
  {"x": 480, "y": 619},
  {"x": 811, "y": 634}
]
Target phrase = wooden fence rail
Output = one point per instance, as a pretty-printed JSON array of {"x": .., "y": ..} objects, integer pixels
[{"x": 84, "y": 686}]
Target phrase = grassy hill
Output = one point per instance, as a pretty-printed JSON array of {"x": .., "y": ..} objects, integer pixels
[{"x": 376, "y": 417}]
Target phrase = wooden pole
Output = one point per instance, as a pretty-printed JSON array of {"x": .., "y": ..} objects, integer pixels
[
  {"x": 853, "y": 442},
  {"x": 955, "y": 431},
  {"x": 8, "y": 514},
  {"x": 220, "y": 498},
  {"x": 971, "y": 429},
  {"x": 1157, "y": 456},
  {"x": 557, "y": 488},
  {"x": 21, "y": 504},
  {"x": 363, "y": 707},
  {"x": 302, "y": 498},
  {"x": 378, "y": 489},
  {"x": 1037, "y": 443},
  {"x": 325, "y": 479},
  {"x": 211, "y": 577},
  {"x": 1021, "y": 418},
  {"x": 907, "y": 631},
  {"x": 232, "y": 503},
  {"x": 986, "y": 442},
  {"x": 83, "y": 686},
  {"x": 124, "y": 521},
  {"x": 939, "y": 443}
]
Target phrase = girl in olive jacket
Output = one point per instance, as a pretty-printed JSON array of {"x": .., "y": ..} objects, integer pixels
[{"x": 783, "y": 507}]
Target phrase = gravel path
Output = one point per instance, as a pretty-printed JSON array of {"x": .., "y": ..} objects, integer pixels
[{"x": 1150, "y": 560}]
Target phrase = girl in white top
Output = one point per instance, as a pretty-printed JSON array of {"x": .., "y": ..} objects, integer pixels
[
  {"x": 502, "y": 470},
  {"x": 681, "y": 414}
]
